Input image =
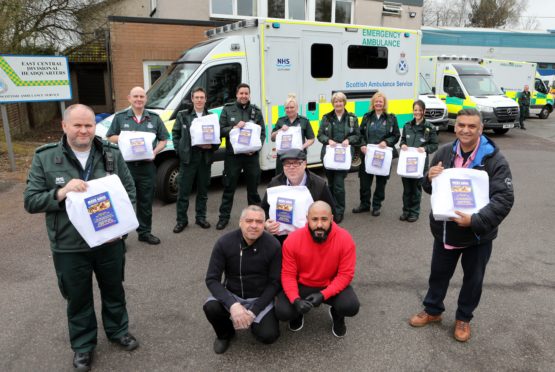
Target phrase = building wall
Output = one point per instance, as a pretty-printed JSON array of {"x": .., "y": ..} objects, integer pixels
[
  {"x": 371, "y": 13},
  {"x": 133, "y": 42},
  {"x": 183, "y": 9}
]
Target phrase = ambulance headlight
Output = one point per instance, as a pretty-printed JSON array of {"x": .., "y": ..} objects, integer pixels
[{"x": 483, "y": 108}]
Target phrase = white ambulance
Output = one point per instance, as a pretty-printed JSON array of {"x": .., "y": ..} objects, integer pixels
[
  {"x": 278, "y": 57},
  {"x": 462, "y": 82},
  {"x": 436, "y": 110},
  {"x": 511, "y": 76}
]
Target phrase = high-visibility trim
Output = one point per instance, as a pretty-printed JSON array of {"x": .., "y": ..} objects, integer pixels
[
  {"x": 263, "y": 80},
  {"x": 228, "y": 55},
  {"x": 336, "y": 25}
]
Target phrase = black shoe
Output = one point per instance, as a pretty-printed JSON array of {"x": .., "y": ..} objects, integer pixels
[
  {"x": 522, "y": 128},
  {"x": 179, "y": 227},
  {"x": 338, "y": 327},
  {"x": 128, "y": 342},
  {"x": 203, "y": 223},
  {"x": 412, "y": 218},
  {"x": 149, "y": 238},
  {"x": 221, "y": 225},
  {"x": 361, "y": 209},
  {"x": 82, "y": 361},
  {"x": 221, "y": 345},
  {"x": 403, "y": 217},
  {"x": 296, "y": 324},
  {"x": 376, "y": 212},
  {"x": 338, "y": 218}
]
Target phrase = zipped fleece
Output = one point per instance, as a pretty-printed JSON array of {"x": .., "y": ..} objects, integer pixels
[
  {"x": 484, "y": 224},
  {"x": 250, "y": 271}
]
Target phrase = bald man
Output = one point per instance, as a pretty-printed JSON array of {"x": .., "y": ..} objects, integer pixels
[
  {"x": 318, "y": 266},
  {"x": 137, "y": 118}
]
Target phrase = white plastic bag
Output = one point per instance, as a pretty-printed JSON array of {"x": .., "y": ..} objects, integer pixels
[
  {"x": 205, "y": 130},
  {"x": 246, "y": 139},
  {"x": 289, "y": 206},
  {"x": 103, "y": 212},
  {"x": 290, "y": 139},
  {"x": 411, "y": 163},
  {"x": 135, "y": 145},
  {"x": 459, "y": 189},
  {"x": 337, "y": 158},
  {"x": 378, "y": 160}
]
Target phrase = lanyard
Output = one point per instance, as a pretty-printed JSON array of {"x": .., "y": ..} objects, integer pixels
[{"x": 86, "y": 173}]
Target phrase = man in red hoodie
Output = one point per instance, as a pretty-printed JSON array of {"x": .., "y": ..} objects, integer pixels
[{"x": 318, "y": 266}]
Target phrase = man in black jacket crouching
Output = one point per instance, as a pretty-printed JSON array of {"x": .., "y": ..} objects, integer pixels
[{"x": 250, "y": 259}]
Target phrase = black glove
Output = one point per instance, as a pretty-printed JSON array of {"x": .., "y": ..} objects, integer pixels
[
  {"x": 302, "y": 306},
  {"x": 315, "y": 299}
]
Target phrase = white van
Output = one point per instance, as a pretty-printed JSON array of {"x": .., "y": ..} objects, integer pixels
[
  {"x": 436, "y": 110},
  {"x": 278, "y": 57},
  {"x": 511, "y": 76},
  {"x": 462, "y": 82}
]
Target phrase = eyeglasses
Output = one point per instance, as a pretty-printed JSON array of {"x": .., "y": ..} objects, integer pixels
[{"x": 293, "y": 164}]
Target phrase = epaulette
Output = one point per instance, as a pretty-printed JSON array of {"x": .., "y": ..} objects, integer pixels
[
  {"x": 229, "y": 104},
  {"x": 46, "y": 147},
  {"x": 111, "y": 145},
  {"x": 152, "y": 113}
]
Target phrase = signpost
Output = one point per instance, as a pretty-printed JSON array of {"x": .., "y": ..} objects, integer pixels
[{"x": 31, "y": 79}]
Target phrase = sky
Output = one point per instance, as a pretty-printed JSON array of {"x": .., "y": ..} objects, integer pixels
[{"x": 544, "y": 11}]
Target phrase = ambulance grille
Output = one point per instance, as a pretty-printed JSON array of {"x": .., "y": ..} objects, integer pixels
[
  {"x": 506, "y": 114},
  {"x": 434, "y": 113}
]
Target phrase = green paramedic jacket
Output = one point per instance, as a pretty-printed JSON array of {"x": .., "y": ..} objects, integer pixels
[{"x": 52, "y": 168}]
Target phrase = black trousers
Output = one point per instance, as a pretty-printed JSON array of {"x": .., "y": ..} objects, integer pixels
[
  {"x": 345, "y": 303},
  {"x": 144, "y": 175},
  {"x": 267, "y": 331},
  {"x": 198, "y": 170},
  {"x": 474, "y": 260},
  {"x": 74, "y": 272}
]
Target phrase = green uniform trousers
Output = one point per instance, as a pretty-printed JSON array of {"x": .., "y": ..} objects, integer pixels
[
  {"x": 233, "y": 165},
  {"x": 74, "y": 272},
  {"x": 366, "y": 189},
  {"x": 336, "y": 183},
  {"x": 144, "y": 175},
  {"x": 196, "y": 171},
  {"x": 412, "y": 194}
]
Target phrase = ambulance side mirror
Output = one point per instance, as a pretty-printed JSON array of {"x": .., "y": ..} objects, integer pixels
[{"x": 434, "y": 90}]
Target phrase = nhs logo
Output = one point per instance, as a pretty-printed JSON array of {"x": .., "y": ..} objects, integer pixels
[{"x": 283, "y": 64}]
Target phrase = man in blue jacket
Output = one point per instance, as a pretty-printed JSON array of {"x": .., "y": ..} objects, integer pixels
[{"x": 469, "y": 236}]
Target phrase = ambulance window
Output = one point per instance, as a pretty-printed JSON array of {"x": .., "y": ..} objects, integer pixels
[
  {"x": 370, "y": 57},
  {"x": 451, "y": 87},
  {"x": 540, "y": 87},
  {"x": 321, "y": 60}
]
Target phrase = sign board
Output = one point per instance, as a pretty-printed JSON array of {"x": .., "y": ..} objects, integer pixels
[{"x": 34, "y": 79}]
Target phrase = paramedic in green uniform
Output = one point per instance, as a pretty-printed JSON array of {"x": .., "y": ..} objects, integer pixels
[
  {"x": 57, "y": 169},
  {"x": 138, "y": 119},
  {"x": 376, "y": 128},
  {"x": 195, "y": 163},
  {"x": 236, "y": 115},
  {"x": 338, "y": 128},
  {"x": 421, "y": 134},
  {"x": 292, "y": 119}
]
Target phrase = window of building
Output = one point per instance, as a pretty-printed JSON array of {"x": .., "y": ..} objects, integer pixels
[
  {"x": 369, "y": 57},
  {"x": 90, "y": 86},
  {"x": 335, "y": 11},
  {"x": 233, "y": 8},
  {"x": 321, "y": 60},
  {"x": 287, "y": 9},
  {"x": 152, "y": 70}
]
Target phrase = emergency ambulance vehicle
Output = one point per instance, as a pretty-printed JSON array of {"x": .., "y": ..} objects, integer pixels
[
  {"x": 462, "y": 82},
  {"x": 511, "y": 76},
  {"x": 278, "y": 57},
  {"x": 436, "y": 110}
]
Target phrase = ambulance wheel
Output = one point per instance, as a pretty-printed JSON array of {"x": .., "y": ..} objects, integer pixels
[
  {"x": 500, "y": 131},
  {"x": 166, "y": 180},
  {"x": 544, "y": 113}
]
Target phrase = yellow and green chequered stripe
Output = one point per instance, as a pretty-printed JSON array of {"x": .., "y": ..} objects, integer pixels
[{"x": 22, "y": 83}]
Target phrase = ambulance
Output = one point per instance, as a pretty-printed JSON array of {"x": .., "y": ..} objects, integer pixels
[
  {"x": 511, "y": 76},
  {"x": 277, "y": 57},
  {"x": 462, "y": 82},
  {"x": 436, "y": 110}
]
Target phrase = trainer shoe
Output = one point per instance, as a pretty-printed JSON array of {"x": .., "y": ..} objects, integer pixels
[
  {"x": 338, "y": 327},
  {"x": 296, "y": 324}
]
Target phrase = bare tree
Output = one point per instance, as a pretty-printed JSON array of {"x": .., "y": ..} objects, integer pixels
[
  {"x": 529, "y": 23},
  {"x": 30, "y": 26},
  {"x": 446, "y": 13}
]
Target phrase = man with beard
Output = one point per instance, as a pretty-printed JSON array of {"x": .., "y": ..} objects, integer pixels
[{"x": 318, "y": 266}]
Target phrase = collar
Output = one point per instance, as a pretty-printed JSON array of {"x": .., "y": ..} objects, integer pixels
[
  {"x": 303, "y": 181},
  {"x": 459, "y": 160}
]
